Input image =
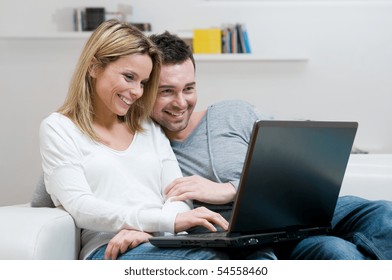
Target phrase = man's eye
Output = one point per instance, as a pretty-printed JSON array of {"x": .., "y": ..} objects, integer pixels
[
  {"x": 189, "y": 89},
  {"x": 166, "y": 91}
]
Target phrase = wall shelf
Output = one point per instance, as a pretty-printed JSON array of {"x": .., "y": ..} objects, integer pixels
[
  {"x": 248, "y": 58},
  {"x": 48, "y": 35},
  {"x": 69, "y": 35}
]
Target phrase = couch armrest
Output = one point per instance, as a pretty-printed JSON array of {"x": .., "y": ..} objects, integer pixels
[
  {"x": 369, "y": 176},
  {"x": 37, "y": 233}
]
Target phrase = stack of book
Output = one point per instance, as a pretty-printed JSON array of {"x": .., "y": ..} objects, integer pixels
[
  {"x": 231, "y": 38},
  {"x": 89, "y": 18}
]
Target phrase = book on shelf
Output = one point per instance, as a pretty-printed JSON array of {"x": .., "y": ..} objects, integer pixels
[
  {"x": 226, "y": 39},
  {"x": 78, "y": 19},
  {"x": 234, "y": 39},
  {"x": 246, "y": 38},
  {"x": 93, "y": 17},
  {"x": 240, "y": 39},
  {"x": 207, "y": 41},
  {"x": 89, "y": 18}
]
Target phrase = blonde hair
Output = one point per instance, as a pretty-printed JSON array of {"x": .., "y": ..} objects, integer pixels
[{"x": 110, "y": 41}]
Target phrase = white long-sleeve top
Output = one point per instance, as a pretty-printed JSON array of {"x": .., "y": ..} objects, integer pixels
[{"x": 106, "y": 190}]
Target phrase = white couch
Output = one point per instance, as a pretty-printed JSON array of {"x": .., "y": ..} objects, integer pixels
[
  {"x": 50, "y": 233},
  {"x": 38, "y": 233}
]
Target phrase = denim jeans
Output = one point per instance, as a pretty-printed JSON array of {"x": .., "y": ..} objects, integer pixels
[
  {"x": 146, "y": 251},
  {"x": 361, "y": 229}
]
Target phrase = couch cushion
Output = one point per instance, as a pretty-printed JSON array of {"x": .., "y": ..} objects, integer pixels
[{"x": 40, "y": 197}]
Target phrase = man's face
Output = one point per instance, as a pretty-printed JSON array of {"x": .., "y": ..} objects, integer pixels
[{"x": 176, "y": 97}]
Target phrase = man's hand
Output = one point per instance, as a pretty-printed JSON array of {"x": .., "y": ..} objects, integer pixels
[
  {"x": 125, "y": 239},
  {"x": 201, "y": 189},
  {"x": 200, "y": 216}
]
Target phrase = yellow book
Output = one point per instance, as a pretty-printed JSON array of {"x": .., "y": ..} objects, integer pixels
[{"x": 207, "y": 40}]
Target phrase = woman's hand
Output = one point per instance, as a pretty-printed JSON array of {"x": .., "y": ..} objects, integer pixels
[
  {"x": 200, "y": 216},
  {"x": 198, "y": 188},
  {"x": 125, "y": 239}
]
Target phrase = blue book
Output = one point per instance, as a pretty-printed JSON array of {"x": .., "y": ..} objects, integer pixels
[{"x": 246, "y": 39}]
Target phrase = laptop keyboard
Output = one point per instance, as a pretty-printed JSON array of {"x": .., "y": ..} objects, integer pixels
[{"x": 208, "y": 234}]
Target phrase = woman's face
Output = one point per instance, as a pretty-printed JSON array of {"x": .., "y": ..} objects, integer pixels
[{"x": 120, "y": 84}]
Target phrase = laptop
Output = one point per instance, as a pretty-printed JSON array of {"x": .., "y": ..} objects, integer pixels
[{"x": 290, "y": 183}]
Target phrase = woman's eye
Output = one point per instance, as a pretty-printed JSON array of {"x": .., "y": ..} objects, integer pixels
[
  {"x": 143, "y": 84},
  {"x": 128, "y": 77}
]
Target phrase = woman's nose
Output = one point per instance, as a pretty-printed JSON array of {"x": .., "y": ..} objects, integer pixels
[{"x": 137, "y": 92}]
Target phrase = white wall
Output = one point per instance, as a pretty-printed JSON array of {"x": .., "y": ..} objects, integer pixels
[{"x": 347, "y": 75}]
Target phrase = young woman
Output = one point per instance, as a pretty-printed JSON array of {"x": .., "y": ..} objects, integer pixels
[{"x": 106, "y": 162}]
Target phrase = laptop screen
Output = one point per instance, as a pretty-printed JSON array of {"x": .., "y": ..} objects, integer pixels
[{"x": 292, "y": 175}]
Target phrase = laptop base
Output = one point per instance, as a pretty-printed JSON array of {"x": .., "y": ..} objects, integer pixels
[{"x": 224, "y": 240}]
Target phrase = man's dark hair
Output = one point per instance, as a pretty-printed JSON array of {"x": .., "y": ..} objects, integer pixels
[{"x": 174, "y": 50}]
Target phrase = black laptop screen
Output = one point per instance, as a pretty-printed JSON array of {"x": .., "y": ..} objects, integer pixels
[{"x": 292, "y": 175}]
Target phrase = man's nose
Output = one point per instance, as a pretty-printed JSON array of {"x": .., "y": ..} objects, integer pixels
[{"x": 180, "y": 100}]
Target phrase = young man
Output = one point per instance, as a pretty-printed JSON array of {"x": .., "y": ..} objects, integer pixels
[{"x": 210, "y": 146}]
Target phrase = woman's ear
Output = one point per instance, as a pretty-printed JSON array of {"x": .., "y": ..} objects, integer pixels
[{"x": 92, "y": 69}]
